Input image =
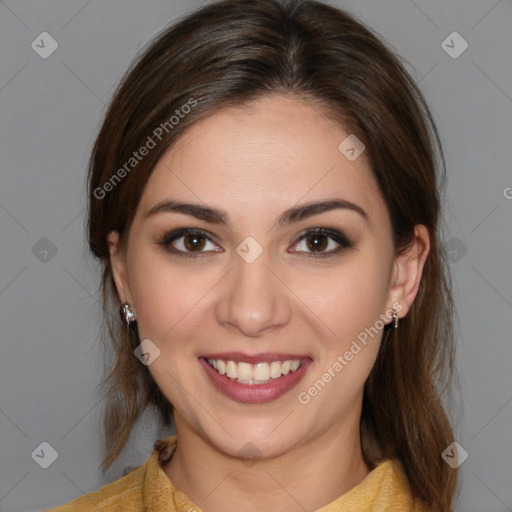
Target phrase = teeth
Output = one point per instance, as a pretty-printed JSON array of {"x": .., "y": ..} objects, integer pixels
[
  {"x": 244, "y": 371},
  {"x": 221, "y": 367},
  {"x": 231, "y": 370},
  {"x": 295, "y": 365},
  {"x": 259, "y": 373},
  {"x": 275, "y": 369}
]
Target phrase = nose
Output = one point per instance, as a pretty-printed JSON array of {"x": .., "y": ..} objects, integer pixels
[{"x": 254, "y": 299}]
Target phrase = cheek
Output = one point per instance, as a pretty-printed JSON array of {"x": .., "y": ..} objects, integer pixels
[
  {"x": 353, "y": 297},
  {"x": 167, "y": 301},
  {"x": 350, "y": 301}
]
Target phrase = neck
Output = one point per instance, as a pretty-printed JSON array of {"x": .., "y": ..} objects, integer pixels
[{"x": 306, "y": 477}]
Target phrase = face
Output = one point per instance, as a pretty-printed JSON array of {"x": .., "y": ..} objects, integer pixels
[{"x": 238, "y": 281}]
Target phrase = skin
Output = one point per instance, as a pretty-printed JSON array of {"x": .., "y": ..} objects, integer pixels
[{"x": 254, "y": 162}]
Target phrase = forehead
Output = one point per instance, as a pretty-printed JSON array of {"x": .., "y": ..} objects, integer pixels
[{"x": 261, "y": 157}]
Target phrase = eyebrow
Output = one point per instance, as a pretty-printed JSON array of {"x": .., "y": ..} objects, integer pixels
[{"x": 221, "y": 217}]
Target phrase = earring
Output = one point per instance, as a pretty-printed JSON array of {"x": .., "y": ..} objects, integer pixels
[
  {"x": 127, "y": 315},
  {"x": 395, "y": 319}
]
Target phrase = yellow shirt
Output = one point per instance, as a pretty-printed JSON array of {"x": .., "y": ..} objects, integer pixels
[{"x": 148, "y": 489}]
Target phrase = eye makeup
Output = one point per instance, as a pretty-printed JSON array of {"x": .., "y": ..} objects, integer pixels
[{"x": 193, "y": 238}]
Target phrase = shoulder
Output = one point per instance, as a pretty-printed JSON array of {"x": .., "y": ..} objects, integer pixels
[
  {"x": 394, "y": 492},
  {"x": 385, "y": 489},
  {"x": 125, "y": 494},
  {"x": 146, "y": 487}
]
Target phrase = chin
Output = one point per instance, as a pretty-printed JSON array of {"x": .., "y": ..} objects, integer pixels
[{"x": 262, "y": 442}]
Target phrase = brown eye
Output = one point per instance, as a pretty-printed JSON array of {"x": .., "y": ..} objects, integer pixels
[
  {"x": 316, "y": 242},
  {"x": 189, "y": 243},
  {"x": 193, "y": 242}
]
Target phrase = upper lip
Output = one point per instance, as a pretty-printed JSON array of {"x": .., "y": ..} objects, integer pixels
[{"x": 255, "y": 358}]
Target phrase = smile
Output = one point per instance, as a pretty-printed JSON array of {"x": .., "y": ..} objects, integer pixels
[
  {"x": 254, "y": 374},
  {"x": 255, "y": 379}
]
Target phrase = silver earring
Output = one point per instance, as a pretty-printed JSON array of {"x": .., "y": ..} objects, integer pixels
[
  {"x": 127, "y": 315},
  {"x": 395, "y": 319}
]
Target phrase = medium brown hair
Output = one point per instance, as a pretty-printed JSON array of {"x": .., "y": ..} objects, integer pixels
[{"x": 235, "y": 51}]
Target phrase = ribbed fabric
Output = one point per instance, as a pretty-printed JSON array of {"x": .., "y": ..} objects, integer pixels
[{"x": 148, "y": 489}]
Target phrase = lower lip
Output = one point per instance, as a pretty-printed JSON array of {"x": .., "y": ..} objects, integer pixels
[{"x": 255, "y": 393}]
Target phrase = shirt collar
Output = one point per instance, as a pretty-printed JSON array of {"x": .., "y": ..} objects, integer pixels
[
  {"x": 383, "y": 486},
  {"x": 159, "y": 493}
]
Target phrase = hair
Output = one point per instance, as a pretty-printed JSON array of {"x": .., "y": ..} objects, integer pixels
[{"x": 229, "y": 53}]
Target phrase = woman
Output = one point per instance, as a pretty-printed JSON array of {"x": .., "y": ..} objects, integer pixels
[{"x": 264, "y": 200}]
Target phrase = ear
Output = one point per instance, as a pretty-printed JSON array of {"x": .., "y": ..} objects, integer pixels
[
  {"x": 118, "y": 266},
  {"x": 407, "y": 272}
]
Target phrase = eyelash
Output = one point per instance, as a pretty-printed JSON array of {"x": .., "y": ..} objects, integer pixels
[{"x": 333, "y": 234}]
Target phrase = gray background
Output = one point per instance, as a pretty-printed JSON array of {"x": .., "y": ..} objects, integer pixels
[{"x": 51, "y": 108}]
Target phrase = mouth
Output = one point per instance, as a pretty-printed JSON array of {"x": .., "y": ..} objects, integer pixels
[
  {"x": 255, "y": 379},
  {"x": 254, "y": 374}
]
